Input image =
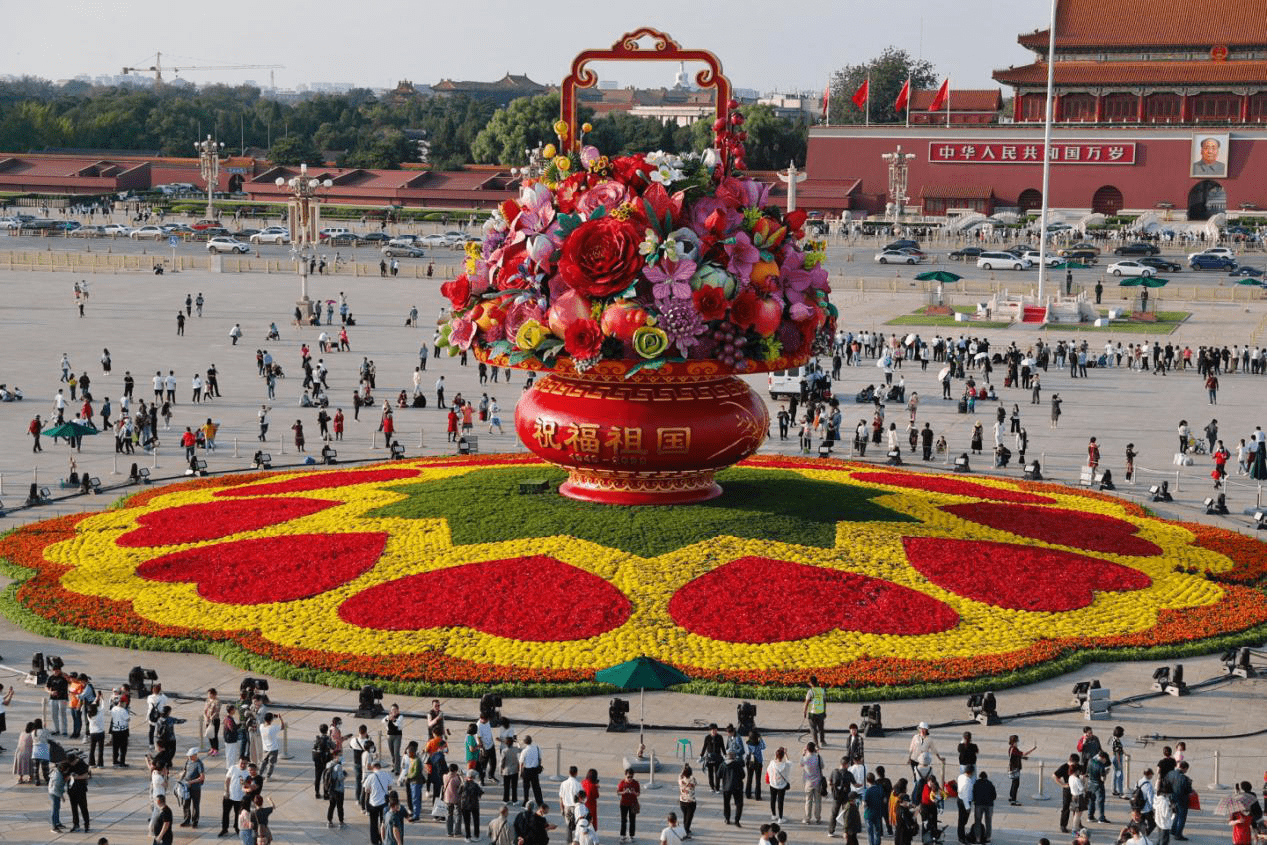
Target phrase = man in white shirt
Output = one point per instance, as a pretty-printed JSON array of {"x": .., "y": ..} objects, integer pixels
[
  {"x": 234, "y": 789},
  {"x": 154, "y": 704},
  {"x": 669, "y": 835},
  {"x": 171, "y": 386},
  {"x": 964, "y": 786},
  {"x": 530, "y": 769},
  {"x": 270, "y": 742},
  {"x": 567, "y": 800},
  {"x": 120, "y": 719},
  {"x": 488, "y": 749},
  {"x": 858, "y": 771},
  {"x": 376, "y": 786},
  {"x": 394, "y": 724}
]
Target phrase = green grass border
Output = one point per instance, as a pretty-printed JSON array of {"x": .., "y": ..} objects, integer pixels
[{"x": 240, "y": 657}]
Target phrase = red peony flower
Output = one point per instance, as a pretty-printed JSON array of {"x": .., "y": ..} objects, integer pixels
[
  {"x": 632, "y": 170},
  {"x": 457, "y": 291},
  {"x": 710, "y": 302},
  {"x": 584, "y": 340},
  {"x": 743, "y": 311},
  {"x": 600, "y": 257}
]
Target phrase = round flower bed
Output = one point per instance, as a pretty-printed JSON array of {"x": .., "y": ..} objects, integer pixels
[{"x": 437, "y": 574}]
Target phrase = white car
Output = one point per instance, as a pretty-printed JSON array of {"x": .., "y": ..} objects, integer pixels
[
  {"x": 1223, "y": 251},
  {"x": 10, "y": 223},
  {"x": 1032, "y": 258},
  {"x": 226, "y": 244},
  {"x": 432, "y": 240},
  {"x": 155, "y": 232},
  {"x": 1002, "y": 261},
  {"x": 1131, "y": 268},
  {"x": 893, "y": 256},
  {"x": 271, "y": 235},
  {"x": 116, "y": 229},
  {"x": 403, "y": 240}
]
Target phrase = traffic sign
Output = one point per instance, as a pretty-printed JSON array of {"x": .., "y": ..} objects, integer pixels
[{"x": 173, "y": 241}]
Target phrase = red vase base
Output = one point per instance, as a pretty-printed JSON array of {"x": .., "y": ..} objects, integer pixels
[{"x": 619, "y": 488}]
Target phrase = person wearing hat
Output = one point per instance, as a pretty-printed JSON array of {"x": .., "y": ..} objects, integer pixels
[
  {"x": 922, "y": 744},
  {"x": 193, "y": 777}
]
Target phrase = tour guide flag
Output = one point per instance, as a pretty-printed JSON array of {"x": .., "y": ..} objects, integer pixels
[
  {"x": 943, "y": 95},
  {"x": 903, "y": 96},
  {"x": 860, "y": 96}
]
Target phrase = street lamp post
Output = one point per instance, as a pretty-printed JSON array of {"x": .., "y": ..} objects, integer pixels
[
  {"x": 305, "y": 211},
  {"x": 898, "y": 164},
  {"x": 209, "y": 166}
]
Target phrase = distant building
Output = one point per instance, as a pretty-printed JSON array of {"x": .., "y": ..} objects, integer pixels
[
  {"x": 963, "y": 106},
  {"x": 501, "y": 92}
]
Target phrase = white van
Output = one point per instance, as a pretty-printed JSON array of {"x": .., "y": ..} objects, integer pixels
[{"x": 785, "y": 384}]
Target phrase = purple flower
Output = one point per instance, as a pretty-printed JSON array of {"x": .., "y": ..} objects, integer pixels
[
  {"x": 670, "y": 279},
  {"x": 705, "y": 206},
  {"x": 681, "y": 322},
  {"x": 743, "y": 255}
]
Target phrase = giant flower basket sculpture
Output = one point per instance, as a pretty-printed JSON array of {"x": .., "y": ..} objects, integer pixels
[{"x": 643, "y": 285}]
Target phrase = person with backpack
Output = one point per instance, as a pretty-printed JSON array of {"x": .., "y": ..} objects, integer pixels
[
  {"x": 813, "y": 779},
  {"x": 333, "y": 784},
  {"x": 193, "y": 777},
  {"x": 1097, "y": 769},
  {"x": 165, "y": 737},
  {"x": 1119, "y": 753},
  {"x": 322, "y": 752}
]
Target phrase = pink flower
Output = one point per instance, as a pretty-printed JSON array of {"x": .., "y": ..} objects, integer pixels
[
  {"x": 462, "y": 333},
  {"x": 540, "y": 250},
  {"x": 609, "y": 194},
  {"x": 670, "y": 279},
  {"x": 704, "y": 206},
  {"x": 522, "y": 312},
  {"x": 589, "y": 156},
  {"x": 537, "y": 204}
]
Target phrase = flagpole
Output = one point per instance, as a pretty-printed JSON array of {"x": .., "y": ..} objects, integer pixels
[{"x": 867, "y": 102}]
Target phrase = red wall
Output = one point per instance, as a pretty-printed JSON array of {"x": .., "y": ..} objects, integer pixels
[{"x": 1163, "y": 160}]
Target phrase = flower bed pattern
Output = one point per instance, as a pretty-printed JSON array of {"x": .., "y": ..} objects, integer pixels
[{"x": 880, "y": 579}]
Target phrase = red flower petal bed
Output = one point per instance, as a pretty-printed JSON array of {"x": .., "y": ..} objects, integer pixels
[
  {"x": 552, "y": 601},
  {"x": 265, "y": 570},
  {"x": 953, "y": 486},
  {"x": 1091, "y": 531},
  {"x": 719, "y": 604},
  {"x": 1018, "y": 577},
  {"x": 320, "y": 481},
  {"x": 213, "y": 520}
]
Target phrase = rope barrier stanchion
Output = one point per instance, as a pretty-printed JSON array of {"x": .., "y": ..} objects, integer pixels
[
  {"x": 1176, "y": 481},
  {"x": 1126, "y": 777},
  {"x": 235, "y": 447},
  {"x": 558, "y": 763},
  {"x": 286, "y": 743},
  {"x": 1217, "y": 784},
  {"x": 651, "y": 782},
  {"x": 1041, "y": 795},
  {"x": 114, "y": 466},
  {"x": 155, "y": 456}
]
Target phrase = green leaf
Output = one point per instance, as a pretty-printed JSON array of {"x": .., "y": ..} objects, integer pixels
[
  {"x": 521, "y": 355},
  {"x": 501, "y": 347},
  {"x": 601, "y": 211},
  {"x": 568, "y": 222}
]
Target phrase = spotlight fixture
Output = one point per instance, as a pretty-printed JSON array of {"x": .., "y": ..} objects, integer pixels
[{"x": 618, "y": 716}]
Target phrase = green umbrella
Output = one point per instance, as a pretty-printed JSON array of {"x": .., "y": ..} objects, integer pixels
[
  {"x": 641, "y": 673},
  {"x": 70, "y": 429},
  {"x": 943, "y": 277},
  {"x": 1070, "y": 265},
  {"x": 1249, "y": 280},
  {"x": 1152, "y": 282},
  {"x": 1130, "y": 282}
]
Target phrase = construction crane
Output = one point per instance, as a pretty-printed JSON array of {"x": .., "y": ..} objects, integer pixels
[{"x": 157, "y": 69}]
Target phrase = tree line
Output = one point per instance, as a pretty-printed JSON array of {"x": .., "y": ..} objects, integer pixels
[{"x": 369, "y": 131}]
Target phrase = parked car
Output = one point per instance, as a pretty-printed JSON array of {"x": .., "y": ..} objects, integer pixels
[
  {"x": 1082, "y": 246},
  {"x": 68, "y": 226},
  {"x": 271, "y": 235},
  {"x": 1252, "y": 272},
  {"x": 402, "y": 240},
  {"x": 403, "y": 251},
  {"x": 894, "y": 256},
  {"x": 351, "y": 238},
  {"x": 433, "y": 240},
  {"x": 205, "y": 224},
  {"x": 177, "y": 229},
  {"x": 1021, "y": 249},
  {"x": 1211, "y": 261},
  {"x": 967, "y": 252},
  {"x": 1161, "y": 264},
  {"x": 87, "y": 232},
  {"x": 333, "y": 232},
  {"x": 1001, "y": 261},
  {"x": 1083, "y": 256},
  {"x": 154, "y": 232},
  {"x": 1131, "y": 268},
  {"x": 10, "y": 223},
  {"x": 376, "y": 237},
  {"x": 116, "y": 229},
  {"x": 903, "y": 243},
  {"x": 1223, "y": 251},
  {"x": 454, "y": 238},
  {"x": 224, "y": 243},
  {"x": 1052, "y": 260},
  {"x": 1136, "y": 249}
]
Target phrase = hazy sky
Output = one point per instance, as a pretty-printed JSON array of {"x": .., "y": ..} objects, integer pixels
[{"x": 761, "y": 44}]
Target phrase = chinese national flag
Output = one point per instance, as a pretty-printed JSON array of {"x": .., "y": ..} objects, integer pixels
[
  {"x": 860, "y": 96},
  {"x": 826, "y": 98},
  {"x": 903, "y": 96},
  {"x": 943, "y": 95}
]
